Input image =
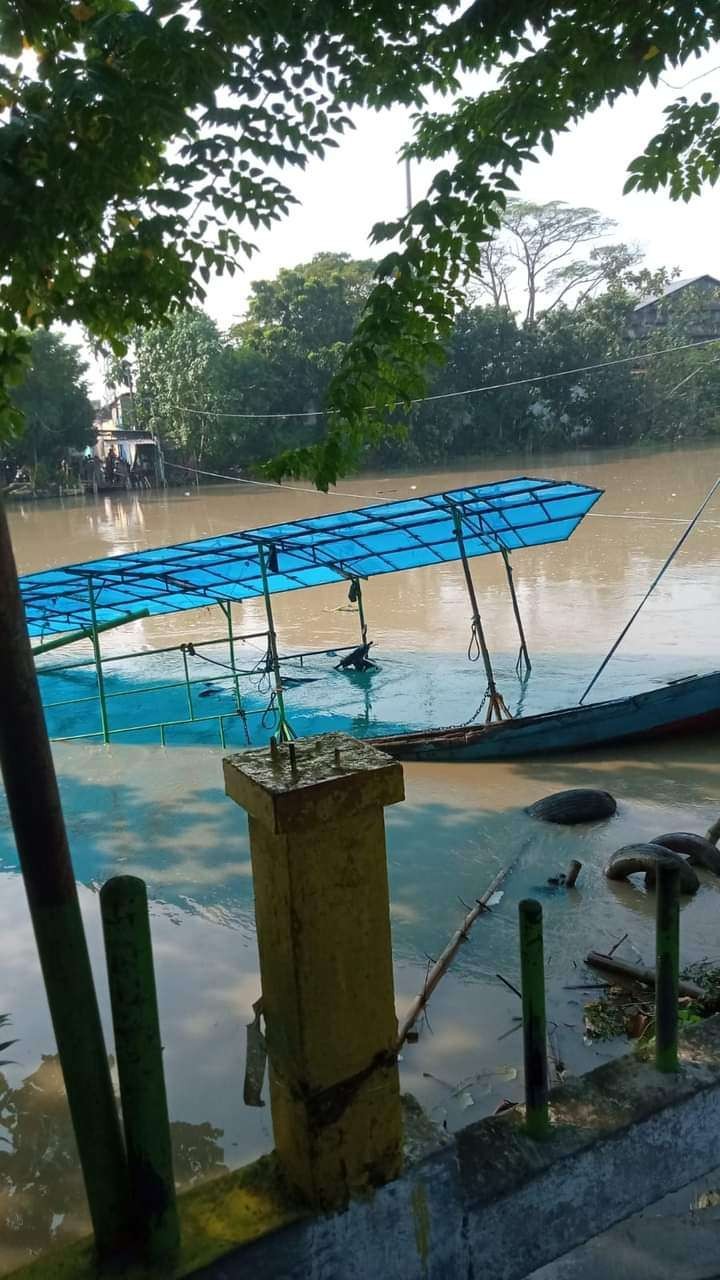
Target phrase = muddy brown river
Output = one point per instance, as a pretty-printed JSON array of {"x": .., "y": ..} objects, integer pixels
[{"x": 161, "y": 813}]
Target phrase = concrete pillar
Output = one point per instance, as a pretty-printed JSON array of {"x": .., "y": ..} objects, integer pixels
[{"x": 317, "y": 840}]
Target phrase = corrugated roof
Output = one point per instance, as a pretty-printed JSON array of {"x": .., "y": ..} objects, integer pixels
[
  {"x": 674, "y": 287},
  {"x": 385, "y": 538}
]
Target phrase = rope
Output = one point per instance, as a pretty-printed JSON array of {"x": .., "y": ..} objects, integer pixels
[
  {"x": 194, "y": 653},
  {"x": 346, "y": 493},
  {"x": 474, "y": 651},
  {"x": 269, "y": 484}
]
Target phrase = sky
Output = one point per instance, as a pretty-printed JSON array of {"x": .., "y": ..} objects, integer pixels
[{"x": 363, "y": 182}]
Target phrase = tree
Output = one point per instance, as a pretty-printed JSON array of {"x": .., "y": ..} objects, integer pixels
[
  {"x": 147, "y": 136},
  {"x": 540, "y": 243},
  {"x": 54, "y": 401},
  {"x": 182, "y": 380},
  {"x": 681, "y": 392},
  {"x": 291, "y": 343}
]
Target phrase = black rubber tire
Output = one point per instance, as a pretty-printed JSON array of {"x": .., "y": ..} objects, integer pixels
[
  {"x": 647, "y": 857},
  {"x": 697, "y": 849},
  {"x": 580, "y": 804}
]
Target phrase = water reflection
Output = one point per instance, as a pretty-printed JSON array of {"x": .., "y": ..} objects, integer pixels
[
  {"x": 162, "y": 814},
  {"x": 42, "y": 1200}
]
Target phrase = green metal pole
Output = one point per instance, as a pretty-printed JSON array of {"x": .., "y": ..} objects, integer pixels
[
  {"x": 537, "y": 1122},
  {"x": 133, "y": 998},
  {"x": 285, "y": 730},
  {"x": 36, "y": 813},
  {"x": 71, "y": 637},
  {"x": 227, "y": 610},
  {"x": 98, "y": 667},
  {"x": 667, "y": 967}
]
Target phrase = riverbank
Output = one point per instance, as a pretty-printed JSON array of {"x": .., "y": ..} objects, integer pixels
[{"x": 161, "y": 814}]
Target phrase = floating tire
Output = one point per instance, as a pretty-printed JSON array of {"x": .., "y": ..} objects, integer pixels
[
  {"x": 698, "y": 850},
  {"x": 647, "y": 858},
  {"x": 580, "y": 804}
]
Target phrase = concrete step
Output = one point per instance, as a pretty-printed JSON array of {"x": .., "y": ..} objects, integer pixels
[{"x": 672, "y": 1247}]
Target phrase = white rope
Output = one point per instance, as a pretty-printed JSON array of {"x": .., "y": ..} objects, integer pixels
[
  {"x": 374, "y": 499},
  {"x": 270, "y": 484},
  {"x": 450, "y": 395}
]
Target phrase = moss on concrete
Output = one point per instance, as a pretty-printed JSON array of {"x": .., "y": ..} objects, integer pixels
[{"x": 214, "y": 1218}]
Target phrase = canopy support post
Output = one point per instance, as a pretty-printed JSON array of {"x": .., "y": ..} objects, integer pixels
[
  {"x": 524, "y": 656},
  {"x": 104, "y": 724},
  {"x": 285, "y": 731},
  {"x": 356, "y": 592},
  {"x": 496, "y": 705},
  {"x": 226, "y": 606}
]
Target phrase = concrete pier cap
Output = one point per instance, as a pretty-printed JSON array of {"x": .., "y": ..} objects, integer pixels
[{"x": 307, "y": 780}]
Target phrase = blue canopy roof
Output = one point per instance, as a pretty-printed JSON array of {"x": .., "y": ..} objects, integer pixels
[{"x": 378, "y": 539}]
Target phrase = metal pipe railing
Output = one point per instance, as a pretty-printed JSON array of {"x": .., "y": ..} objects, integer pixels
[{"x": 145, "y": 653}]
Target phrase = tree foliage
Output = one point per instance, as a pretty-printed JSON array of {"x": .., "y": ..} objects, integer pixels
[
  {"x": 54, "y": 401},
  {"x": 181, "y": 381},
  {"x": 539, "y": 249},
  {"x": 506, "y": 384},
  {"x": 145, "y": 142}
]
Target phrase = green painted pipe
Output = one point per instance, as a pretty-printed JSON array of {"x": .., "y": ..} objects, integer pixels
[
  {"x": 104, "y": 722},
  {"x": 133, "y": 998},
  {"x": 667, "y": 967},
  {"x": 285, "y": 731},
  {"x": 532, "y": 964},
  {"x": 71, "y": 637},
  {"x": 37, "y": 819}
]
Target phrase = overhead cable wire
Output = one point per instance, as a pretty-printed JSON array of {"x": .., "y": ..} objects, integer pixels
[{"x": 469, "y": 391}]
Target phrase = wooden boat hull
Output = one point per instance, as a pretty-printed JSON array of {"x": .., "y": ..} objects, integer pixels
[{"x": 691, "y": 705}]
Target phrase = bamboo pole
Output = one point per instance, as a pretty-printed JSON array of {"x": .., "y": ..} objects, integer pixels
[
  {"x": 652, "y": 587},
  {"x": 496, "y": 704},
  {"x": 516, "y": 610},
  {"x": 445, "y": 959},
  {"x": 37, "y": 819},
  {"x": 638, "y": 973}
]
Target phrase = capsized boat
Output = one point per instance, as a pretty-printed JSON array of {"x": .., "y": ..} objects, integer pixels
[
  {"x": 80, "y": 601},
  {"x": 690, "y": 705}
]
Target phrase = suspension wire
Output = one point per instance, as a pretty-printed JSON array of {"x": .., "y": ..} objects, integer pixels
[{"x": 451, "y": 395}]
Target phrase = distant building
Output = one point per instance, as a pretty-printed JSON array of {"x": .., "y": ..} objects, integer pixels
[
  {"x": 138, "y": 452},
  {"x": 117, "y": 414},
  {"x": 704, "y": 320}
]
